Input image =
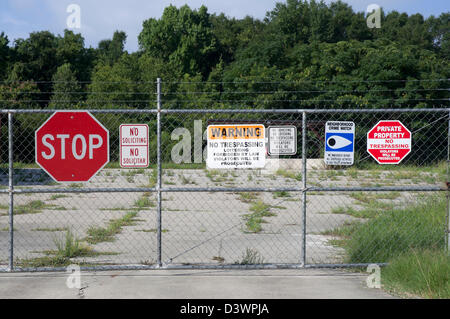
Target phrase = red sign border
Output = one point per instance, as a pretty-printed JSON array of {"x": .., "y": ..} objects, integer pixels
[
  {"x": 367, "y": 138},
  {"x": 71, "y": 111},
  {"x": 120, "y": 146}
]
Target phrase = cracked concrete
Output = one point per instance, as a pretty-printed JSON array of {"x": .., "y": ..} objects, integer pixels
[
  {"x": 200, "y": 227},
  {"x": 193, "y": 284}
]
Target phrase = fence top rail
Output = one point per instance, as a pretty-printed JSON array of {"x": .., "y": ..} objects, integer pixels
[
  {"x": 305, "y": 110},
  {"x": 145, "y": 111}
]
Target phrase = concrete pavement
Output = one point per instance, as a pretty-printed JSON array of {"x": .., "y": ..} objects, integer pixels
[{"x": 193, "y": 284}]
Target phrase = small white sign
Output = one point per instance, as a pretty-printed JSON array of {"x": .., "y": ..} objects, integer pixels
[
  {"x": 134, "y": 145},
  {"x": 236, "y": 146},
  {"x": 339, "y": 143},
  {"x": 282, "y": 140}
]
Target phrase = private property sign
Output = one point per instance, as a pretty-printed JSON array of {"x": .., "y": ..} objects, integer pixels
[
  {"x": 236, "y": 146},
  {"x": 72, "y": 146},
  {"x": 389, "y": 142},
  {"x": 133, "y": 145}
]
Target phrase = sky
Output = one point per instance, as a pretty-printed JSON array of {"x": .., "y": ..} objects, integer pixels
[{"x": 100, "y": 18}]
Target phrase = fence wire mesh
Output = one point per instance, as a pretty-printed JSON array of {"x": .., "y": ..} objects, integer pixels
[{"x": 284, "y": 215}]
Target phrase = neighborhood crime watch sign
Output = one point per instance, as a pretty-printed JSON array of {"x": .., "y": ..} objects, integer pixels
[
  {"x": 389, "y": 142},
  {"x": 133, "y": 145},
  {"x": 72, "y": 146},
  {"x": 339, "y": 143},
  {"x": 236, "y": 146}
]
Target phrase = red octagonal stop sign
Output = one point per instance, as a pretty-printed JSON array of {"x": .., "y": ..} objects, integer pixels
[
  {"x": 72, "y": 146},
  {"x": 389, "y": 142}
]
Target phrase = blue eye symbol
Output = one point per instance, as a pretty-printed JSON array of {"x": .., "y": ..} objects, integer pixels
[{"x": 336, "y": 142}]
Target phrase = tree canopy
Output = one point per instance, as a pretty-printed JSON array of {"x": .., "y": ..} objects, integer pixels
[{"x": 318, "y": 54}]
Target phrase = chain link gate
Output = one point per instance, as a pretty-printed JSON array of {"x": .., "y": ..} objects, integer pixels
[{"x": 294, "y": 213}]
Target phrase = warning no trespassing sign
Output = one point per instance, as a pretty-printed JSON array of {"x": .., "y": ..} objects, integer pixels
[{"x": 236, "y": 146}]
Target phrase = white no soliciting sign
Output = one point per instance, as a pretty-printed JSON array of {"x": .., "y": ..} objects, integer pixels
[
  {"x": 134, "y": 145},
  {"x": 236, "y": 146}
]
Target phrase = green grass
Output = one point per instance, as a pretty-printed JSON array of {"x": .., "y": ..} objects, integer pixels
[
  {"x": 250, "y": 257},
  {"x": 56, "y": 196},
  {"x": 289, "y": 174},
  {"x": 56, "y": 229},
  {"x": 247, "y": 197},
  {"x": 373, "y": 204},
  {"x": 281, "y": 194},
  {"x": 186, "y": 180},
  {"x": 411, "y": 240},
  {"x": 405, "y": 174},
  {"x": 423, "y": 273},
  {"x": 66, "y": 248},
  {"x": 375, "y": 174},
  {"x": 133, "y": 172},
  {"x": 219, "y": 259},
  {"x": 345, "y": 231},
  {"x": 153, "y": 179},
  {"x": 278, "y": 206},
  {"x": 429, "y": 174},
  {"x": 368, "y": 212},
  {"x": 102, "y": 234},
  {"x": 153, "y": 230},
  {"x": 352, "y": 172},
  {"x": 391, "y": 232},
  {"x": 71, "y": 246},
  {"x": 170, "y": 165},
  {"x": 372, "y": 197},
  {"x": 54, "y": 207},
  {"x": 75, "y": 185},
  {"x": 254, "y": 220},
  {"x": 169, "y": 173},
  {"x": 217, "y": 176},
  {"x": 130, "y": 174},
  {"x": 144, "y": 202},
  {"x": 46, "y": 261},
  {"x": 113, "y": 209},
  {"x": 33, "y": 207}
]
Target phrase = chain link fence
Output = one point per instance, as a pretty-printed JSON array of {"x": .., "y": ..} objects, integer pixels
[{"x": 177, "y": 213}]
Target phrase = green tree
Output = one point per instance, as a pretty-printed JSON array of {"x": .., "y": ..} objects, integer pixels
[
  {"x": 347, "y": 24},
  {"x": 440, "y": 33},
  {"x": 36, "y": 60},
  {"x": 183, "y": 38},
  {"x": 4, "y": 55},
  {"x": 109, "y": 51},
  {"x": 70, "y": 49},
  {"x": 232, "y": 33},
  {"x": 118, "y": 85},
  {"x": 38, "y": 55},
  {"x": 66, "y": 89}
]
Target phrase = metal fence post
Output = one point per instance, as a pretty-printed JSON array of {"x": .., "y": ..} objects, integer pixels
[
  {"x": 304, "y": 132},
  {"x": 158, "y": 173},
  {"x": 448, "y": 191},
  {"x": 11, "y": 191}
]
